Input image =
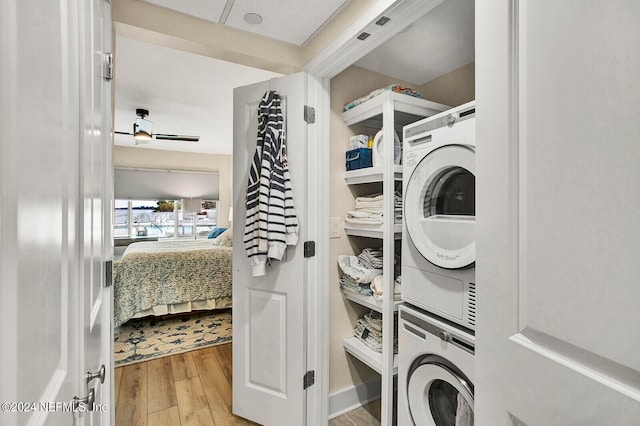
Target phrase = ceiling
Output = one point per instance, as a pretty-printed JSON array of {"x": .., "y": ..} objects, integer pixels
[
  {"x": 291, "y": 21},
  {"x": 190, "y": 94},
  {"x": 185, "y": 94},
  {"x": 439, "y": 42}
]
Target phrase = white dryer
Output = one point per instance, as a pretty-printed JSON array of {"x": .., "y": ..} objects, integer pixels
[
  {"x": 435, "y": 371},
  {"x": 438, "y": 239}
]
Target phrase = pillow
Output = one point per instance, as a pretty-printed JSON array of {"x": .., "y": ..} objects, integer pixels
[
  {"x": 215, "y": 232},
  {"x": 225, "y": 239}
]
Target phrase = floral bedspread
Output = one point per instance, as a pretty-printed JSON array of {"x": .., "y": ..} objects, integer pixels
[{"x": 160, "y": 273}]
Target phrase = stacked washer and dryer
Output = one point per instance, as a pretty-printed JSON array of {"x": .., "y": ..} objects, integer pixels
[{"x": 437, "y": 322}]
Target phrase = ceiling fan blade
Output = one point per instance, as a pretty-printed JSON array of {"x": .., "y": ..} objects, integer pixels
[
  {"x": 185, "y": 138},
  {"x": 123, "y": 133}
]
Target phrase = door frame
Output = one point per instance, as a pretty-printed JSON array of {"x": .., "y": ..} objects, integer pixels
[
  {"x": 317, "y": 271},
  {"x": 341, "y": 53}
]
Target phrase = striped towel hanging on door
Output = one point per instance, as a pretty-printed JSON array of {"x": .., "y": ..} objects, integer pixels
[{"x": 271, "y": 222}]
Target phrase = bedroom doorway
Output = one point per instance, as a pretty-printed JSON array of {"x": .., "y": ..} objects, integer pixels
[{"x": 194, "y": 106}]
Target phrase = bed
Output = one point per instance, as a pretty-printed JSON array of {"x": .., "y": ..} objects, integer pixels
[{"x": 170, "y": 277}]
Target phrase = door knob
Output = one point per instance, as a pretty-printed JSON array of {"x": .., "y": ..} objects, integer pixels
[{"x": 89, "y": 376}]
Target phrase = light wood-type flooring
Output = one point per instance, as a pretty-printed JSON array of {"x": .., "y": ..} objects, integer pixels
[{"x": 193, "y": 388}]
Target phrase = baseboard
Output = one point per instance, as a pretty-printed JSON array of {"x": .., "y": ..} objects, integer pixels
[{"x": 353, "y": 397}]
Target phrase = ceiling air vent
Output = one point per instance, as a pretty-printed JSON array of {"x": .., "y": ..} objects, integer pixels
[
  {"x": 472, "y": 304},
  {"x": 383, "y": 20},
  {"x": 363, "y": 35}
]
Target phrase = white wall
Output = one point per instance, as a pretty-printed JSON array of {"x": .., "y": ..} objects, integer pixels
[{"x": 454, "y": 88}]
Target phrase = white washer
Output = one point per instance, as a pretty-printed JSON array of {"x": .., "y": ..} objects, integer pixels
[
  {"x": 435, "y": 371},
  {"x": 438, "y": 238}
]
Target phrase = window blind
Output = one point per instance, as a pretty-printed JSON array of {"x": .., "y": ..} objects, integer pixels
[{"x": 137, "y": 184}]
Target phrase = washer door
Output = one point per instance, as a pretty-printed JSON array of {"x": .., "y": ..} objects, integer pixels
[
  {"x": 439, "y": 207},
  {"x": 439, "y": 395}
]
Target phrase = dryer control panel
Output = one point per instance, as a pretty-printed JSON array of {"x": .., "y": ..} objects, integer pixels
[{"x": 444, "y": 119}]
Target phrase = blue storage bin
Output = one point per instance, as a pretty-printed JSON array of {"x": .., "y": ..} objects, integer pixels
[{"x": 359, "y": 158}]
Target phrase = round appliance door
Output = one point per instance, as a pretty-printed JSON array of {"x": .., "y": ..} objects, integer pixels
[
  {"x": 440, "y": 207},
  {"x": 439, "y": 395}
]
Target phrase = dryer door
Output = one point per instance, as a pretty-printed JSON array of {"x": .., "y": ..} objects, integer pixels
[
  {"x": 439, "y": 207},
  {"x": 439, "y": 394}
]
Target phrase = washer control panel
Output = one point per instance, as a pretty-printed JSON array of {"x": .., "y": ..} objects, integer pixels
[{"x": 453, "y": 336}]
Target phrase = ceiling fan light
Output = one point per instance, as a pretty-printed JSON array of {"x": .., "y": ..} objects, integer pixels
[
  {"x": 142, "y": 129},
  {"x": 141, "y": 139},
  {"x": 141, "y": 135}
]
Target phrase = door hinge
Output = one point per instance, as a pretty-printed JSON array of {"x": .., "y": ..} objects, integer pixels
[
  {"x": 108, "y": 273},
  {"x": 108, "y": 66},
  {"x": 309, "y": 379},
  {"x": 309, "y": 248},
  {"x": 309, "y": 114}
]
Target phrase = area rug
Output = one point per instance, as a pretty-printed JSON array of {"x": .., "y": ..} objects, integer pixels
[{"x": 148, "y": 338}]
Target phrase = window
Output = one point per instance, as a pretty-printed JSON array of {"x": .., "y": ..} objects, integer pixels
[{"x": 162, "y": 219}]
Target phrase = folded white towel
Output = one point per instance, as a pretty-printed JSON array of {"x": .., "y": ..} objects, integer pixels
[
  {"x": 377, "y": 210},
  {"x": 376, "y": 288},
  {"x": 373, "y": 202},
  {"x": 369, "y": 198},
  {"x": 359, "y": 214},
  {"x": 366, "y": 218}
]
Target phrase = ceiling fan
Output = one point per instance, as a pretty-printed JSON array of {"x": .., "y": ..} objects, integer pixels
[{"x": 143, "y": 131}]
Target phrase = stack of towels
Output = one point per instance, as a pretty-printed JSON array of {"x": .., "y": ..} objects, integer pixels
[
  {"x": 369, "y": 331},
  {"x": 348, "y": 283},
  {"x": 368, "y": 210},
  {"x": 356, "y": 276},
  {"x": 371, "y": 258},
  {"x": 363, "y": 274}
]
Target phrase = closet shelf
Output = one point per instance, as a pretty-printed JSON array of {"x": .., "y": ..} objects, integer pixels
[
  {"x": 394, "y": 110},
  {"x": 368, "y": 301},
  {"x": 367, "y": 355},
  {"x": 407, "y": 109},
  {"x": 370, "y": 174},
  {"x": 372, "y": 231}
]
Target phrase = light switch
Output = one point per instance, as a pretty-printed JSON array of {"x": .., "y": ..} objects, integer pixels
[{"x": 335, "y": 227}]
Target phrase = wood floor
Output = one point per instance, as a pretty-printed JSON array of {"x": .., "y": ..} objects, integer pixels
[{"x": 193, "y": 388}]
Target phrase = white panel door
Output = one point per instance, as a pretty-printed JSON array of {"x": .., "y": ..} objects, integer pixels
[
  {"x": 268, "y": 311},
  {"x": 96, "y": 191},
  {"x": 558, "y": 196},
  {"x": 46, "y": 262}
]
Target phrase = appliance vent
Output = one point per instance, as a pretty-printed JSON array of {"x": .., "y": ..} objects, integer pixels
[{"x": 472, "y": 304}]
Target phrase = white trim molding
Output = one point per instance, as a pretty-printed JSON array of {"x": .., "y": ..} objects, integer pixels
[{"x": 349, "y": 399}]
